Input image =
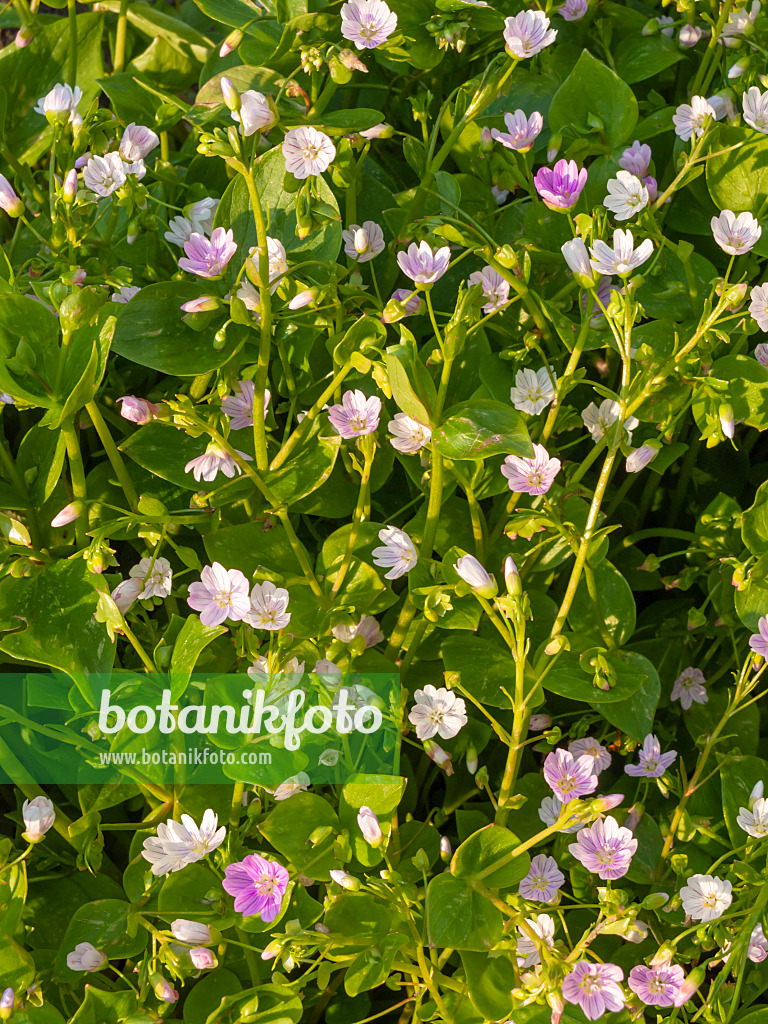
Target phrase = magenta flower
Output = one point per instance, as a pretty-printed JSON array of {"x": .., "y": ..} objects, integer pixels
[
  {"x": 521, "y": 131},
  {"x": 422, "y": 265},
  {"x": 636, "y": 159},
  {"x": 606, "y": 849},
  {"x": 258, "y": 886},
  {"x": 569, "y": 777},
  {"x": 652, "y": 763},
  {"x": 656, "y": 986},
  {"x": 221, "y": 594},
  {"x": 357, "y": 415},
  {"x": 208, "y": 257},
  {"x": 543, "y": 880},
  {"x": 759, "y": 641},
  {"x": 531, "y": 476},
  {"x": 594, "y": 987},
  {"x": 560, "y": 186}
]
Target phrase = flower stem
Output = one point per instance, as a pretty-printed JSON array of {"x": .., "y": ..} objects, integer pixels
[
  {"x": 113, "y": 455},
  {"x": 77, "y": 473},
  {"x": 118, "y": 61}
]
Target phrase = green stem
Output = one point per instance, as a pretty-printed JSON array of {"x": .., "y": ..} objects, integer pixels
[
  {"x": 522, "y": 715},
  {"x": 72, "y": 55},
  {"x": 77, "y": 473},
  {"x": 265, "y": 338},
  {"x": 118, "y": 61},
  {"x": 113, "y": 455},
  {"x": 303, "y": 429},
  {"x": 360, "y": 514}
]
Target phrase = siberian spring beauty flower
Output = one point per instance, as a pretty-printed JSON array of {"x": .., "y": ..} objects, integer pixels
[
  {"x": 689, "y": 118},
  {"x": 238, "y": 407},
  {"x": 736, "y": 234},
  {"x": 155, "y": 576},
  {"x": 689, "y": 688},
  {"x": 757, "y": 950},
  {"x": 367, "y": 23},
  {"x": 437, "y": 712},
  {"x": 550, "y": 810},
  {"x": 534, "y": 390},
  {"x": 521, "y": 131},
  {"x": 689, "y": 35},
  {"x": 636, "y": 159},
  {"x": 422, "y": 265},
  {"x": 531, "y": 476},
  {"x": 754, "y": 818},
  {"x": 759, "y": 640},
  {"x": 368, "y": 824},
  {"x": 758, "y": 306},
  {"x": 367, "y": 627},
  {"x": 104, "y": 174},
  {"x": 409, "y": 436},
  {"x": 126, "y": 594},
  {"x": 640, "y": 457},
  {"x": 193, "y": 933},
  {"x": 599, "y": 420},
  {"x": 307, "y": 151},
  {"x": 475, "y": 575},
  {"x": 357, "y": 415},
  {"x": 298, "y": 783},
  {"x": 588, "y": 746},
  {"x": 651, "y": 763},
  {"x": 412, "y": 301},
  {"x": 85, "y": 957},
  {"x": 250, "y": 297},
  {"x": 258, "y": 886},
  {"x": 202, "y": 214},
  {"x": 9, "y": 201},
  {"x": 627, "y": 195},
  {"x": 569, "y": 777},
  {"x": 527, "y": 950},
  {"x": 543, "y": 880},
  {"x": 560, "y": 186},
  {"x": 755, "y": 104},
  {"x": 202, "y": 958},
  {"x": 137, "y": 142},
  {"x": 208, "y": 257},
  {"x": 527, "y": 34},
  {"x": 761, "y": 354},
  {"x": 255, "y": 113},
  {"x": 68, "y": 514},
  {"x": 495, "y": 288},
  {"x": 8, "y": 998},
  {"x": 38, "y": 815},
  {"x": 706, "y": 897},
  {"x": 577, "y": 258},
  {"x": 363, "y": 243},
  {"x": 656, "y": 986},
  {"x": 60, "y": 104},
  {"x": 398, "y": 553},
  {"x": 221, "y": 594},
  {"x": 214, "y": 461},
  {"x": 125, "y": 294},
  {"x": 605, "y": 848},
  {"x": 180, "y": 231},
  {"x": 573, "y": 10},
  {"x": 269, "y": 607},
  {"x": 595, "y": 988},
  {"x": 740, "y": 22},
  {"x": 623, "y": 258}
]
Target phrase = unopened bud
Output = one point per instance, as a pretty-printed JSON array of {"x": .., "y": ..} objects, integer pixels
[
  {"x": 230, "y": 94},
  {"x": 6, "y": 1004},
  {"x": 163, "y": 989},
  {"x": 445, "y": 848},
  {"x": 231, "y": 43},
  {"x": 538, "y": 723},
  {"x": 486, "y": 140},
  {"x": 471, "y": 760},
  {"x": 441, "y": 757},
  {"x": 69, "y": 188},
  {"x": 654, "y": 901},
  {"x": 727, "y": 421},
  {"x": 557, "y": 644},
  {"x": 555, "y": 142},
  {"x": 690, "y": 986}
]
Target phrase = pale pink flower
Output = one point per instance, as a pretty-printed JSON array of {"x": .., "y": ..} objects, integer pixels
[
  {"x": 192, "y": 933},
  {"x": 363, "y": 243},
  {"x": 269, "y": 607},
  {"x": 543, "y": 880},
  {"x": 528, "y": 954},
  {"x": 758, "y": 307},
  {"x": 398, "y": 553},
  {"x": 221, "y": 594},
  {"x": 125, "y": 294},
  {"x": 569, "y": 777},
  {"x": 757, "y": 950},
  {"x": 409, "y": 436},
  {"x": 521, "y": 131},
  {"x": 495, "y": 288},
  {"x": 307, "y": 151},
  {"x": 636, "y": 159},
  {"x": 595, "y": 988},
  {"x": 759, "y": 640},
  {"x": 155, "y": 577},
  {"x": 627, "y": 195},
  {"x": 180, "y": 230},
  {"x": 9, "y": 201},
  {"x": 605, "y": 848},
  {"x": 531, "y": 476},
  {"x": 656, "y": 986},
  {"x": 652, "y": 763},
  {"x": 573, "y": 10},
  {"x": 126, "y": 594},
  {"x": 104, "y": 174},
  {"x": 437, "y": 711},
  {"x": 60, "y": 104},
  {"x": 298, "y": 783},
  {"x": 238, "y": 407},
  {"x": 736, "y": 234},
  {"x": 527, "y": 34},
  {"x": 137, "y": 142},
  {"x": 755, "y": 104},
  {"x": 549, "y": 813},
  {"x": 534, "y": 390},
  {"x": 622, "y": 258},
  {"x": 689, "y": 688},
  {"x": 640, "y": 457},
  {"x": 369, "y": 826},
  {"x": 213, "y": 461},
  {"x": 410, "y": 299},
  {"x": 38, "y": 815},
  {"x": 202, "y": 958},
  {"x": 85, "y": 957},
  {"x": 356, "y": 416},
  {"x": 689, "y": 35},
  {"x": 422, "y": 264},
  {"x": 208, "y": 257},
  {"x": 600, "y": 756},
  {"x": 367, "y": 627},
  {"x": 706, "y": 897},
  {"x": 690, "y": 118},
  {"x": 137, "y": 410},
  {"x": 367, "y": 23},
  {"x": 255, "y": 113},
  {"x": 474, "y": 574},
  {"x": 761, "y": 354}
]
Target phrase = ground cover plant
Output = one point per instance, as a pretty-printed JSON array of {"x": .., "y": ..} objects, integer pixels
[{"x": 408, "y": 354}]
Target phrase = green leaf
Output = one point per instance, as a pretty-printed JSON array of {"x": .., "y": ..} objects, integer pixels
[
  {"x": 638, "y": 57},
  {"x": 188, "y": 646},
  {"x": 754, "y": 522},
  {"x": 249, "y": 546},
  {"x": 481, "y": 859},
  {"x": 635, "y": 715},
  {"x": 371, "y": 968},
  {"x": 739, "y": 380},
  {"x": 568, "y": 679},
  {"x": 109, "y": 925},
  {"x": 103, "y": 1007},
  {"x": 742, "y": 732},
  {"x": 484, "y": 668},
  {"x": 459, "y": 917},
  {"x": 207, "y": 994},
  {"x": 307, "y": 470},
  {"x": 150, "y": 331},
  {"x": 738, "y": 776},
  {"x": 646, "y": 861},
  {"x": 412, "y": 387},
  {"x": 17, "y": 968},
  {"x": 478, "y": 429},
  {"x": 382, "y": 794},
  {"x": 209, "y": 102},
  {"x": 344, "y": 122},
  {"x": 593, "y": 90},
  {"x": 25, "y": 320},
  {"x": 738, "y": 180},
  {"x": 165, "y": 450},
  {"x": 610, "y": 607},
  {"x": 490, "y": 983},
  {"x": 289, "y": 826},
  {"x": 231, "y": 12}
]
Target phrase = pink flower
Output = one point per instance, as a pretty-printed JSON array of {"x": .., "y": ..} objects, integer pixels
[
  {"x": 357, "y": 415},
  {"x": 255, "y": 113},
  {"x": 736, "y": 233},
  {"x": 68, "y": 514},
  {"x": 126, "y": 594},
  {"x": 137, "y": 410},
  {"x": 214, "y": 460},
  {"x": 573, "y": 10},
  {"x": 689, "y": 687},
  {"x": 367, "y": 627},
  {"x": 410, "y": 299},
  {"x": 239, "y": 406},
  {"x": 758, "y": 641},
  {"x": 363, "y": 243},
  {"x": 560, "y": 186},
  {"x": 221, "y": 594},
  {"x": 521, "y": 131},
  {"x": 409, "y": 436},
  {"x": 208, "y": 257},
  {"x": 125, "y": 294},
  {"x": 369, "y": 826},
  {"x": 594, "y": 987},
  {"x": 527, "y": 34},
  {"x": 531, "y": 476},
  {"x": 104, "y": 174},
  {"x": 9, "y": 201},
  {"x": 569, "y": 777},
  {"x": 656, "y": 986},
  {"x": 495, "y": 288},
  {"x": 307, "y": 151},
  {"x": 599, "y": 754},
  {"x": 203, "y": 303},
  {"x": 636, "y": 159},
  {"x": 367, "y": 23},
  {"x": 137, "y": 142},
  {"x": 202, "y": 958},
  {"x": 606, "y": 849},
  {"x": 652, "y": 763},
  {"x": 422, "y": 264},
  {"x": 543, "y": 880},
  {"x": 269, "y": 606},
  {"x": 258, "y": 886},
  {"x": 85, "y": 957}
]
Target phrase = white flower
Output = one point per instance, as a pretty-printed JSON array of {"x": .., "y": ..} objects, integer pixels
[
  {"x": 60, "y": 103},
  {"x": 181, "y": 843},
  {"x": 437, "y": 712},
  {"x": 398, "y": 553},
  {"x": 410, "y": 436},
  {"x": 474, "y": 574},
  {"x": 739, "y": 23},
  {"x": 290, "y": 787},
  {"x": 689, "y": 118},
  {"x": 527, "y": 34},
  {"x": 627, "y": 195},
  {"x": 577, "y": 258},
  {"x": 595, "y": 750},
  {"x": 689, "y": 688},
  {"x": 549, "y": 812},
  {"x": 137, "y": 142},
  {"x": 329, "y": 758},
  {"x": 689, "y": 35},
  {"x": 754, "y": 818},
  {"x": 599, "y": 421},
  {"x": 367, "y": 627},
  {"x": 269, "y": 607},
  {"x": 193, "y": 933},
  {"x": 126, "y": 594},
  {"x": 706, "y": 897},
  {"x": 736, "y": 234},
  {"x": 39, "y": 816},
  {"x": 527, "y": 950},
  {"x": 367, "y": 23},
  {"x": 363, "y": 243},
  {"x": 623, "y": 258},
  {"x": 104, "y": 174},
  {"x": 758, "y": 306},
  {"x": 758, "y": 945},
  {"x": 255, "y": 114},
  {"x": 213, "y": 461},
  {"x": 495, "y": 288},
  {"x": 277, "y": 262},
  {"x": 250, "y": 296},
  {"x": 157, "y": 577},
  {"x": 202, "y": 214},
  {"x": 85, "y": 957},
  {"x": 534, "y": 390},
  {"x": 180, "y": 230},
  {"x": 126, "y": 293},
  {"x": 761, "y": 354},
  {"x": 307, "y": 151}
]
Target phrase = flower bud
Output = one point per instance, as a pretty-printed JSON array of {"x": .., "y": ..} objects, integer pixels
[
  {"x": 445, "y": 848},
  {"x": 231, "y": 43},
  {"x": 538, "y": 723},
  {"x": 471, "y": 759},
  {"x": 193, "y": 933},
  {"x": 322, "y": 928},
  {"x": 727, "y": 422},
  {"x": 577, "y": 258},
  {"x": 512, "y": 577},
  {"x": 230, "y": 94},
  {"x": 163, "y": 989},
  {"x": 6, "y": 1004},
  {"x": 638, "y": 459},
  {"x": 737, "y": 70},
  {"x": 441, "y": 757},
  {"x": 69, "y": 188},
  {"x": 23, "y": 37},
  {"x": 68, "y": 514},
  {"x": 654, "y": 901},
  {"x": 555, "y": 142},
  {"x": 755, "y": 795},
  {"x": 344, "y": 880},
  {"x": 473, "y": 573},
  {"x": 690, "y": 986},
  {"x": 557, "y": 644},
  {"x": 651, "y": 27},
  {"x": 137, "y": 410},
  {"x": 601, "y": 804},
  {"x": 486, "y": 140},
  {"x": 202, "y": 304},
  {"x": 369, "y": 826},
  {"x": 9, "y": 201},
  {"x": 202, "y": 958}
]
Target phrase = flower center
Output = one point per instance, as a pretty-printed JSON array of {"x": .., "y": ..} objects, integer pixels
[
  {"x": 358, "y": 421},
  {"x": 222, "y": 598}
]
